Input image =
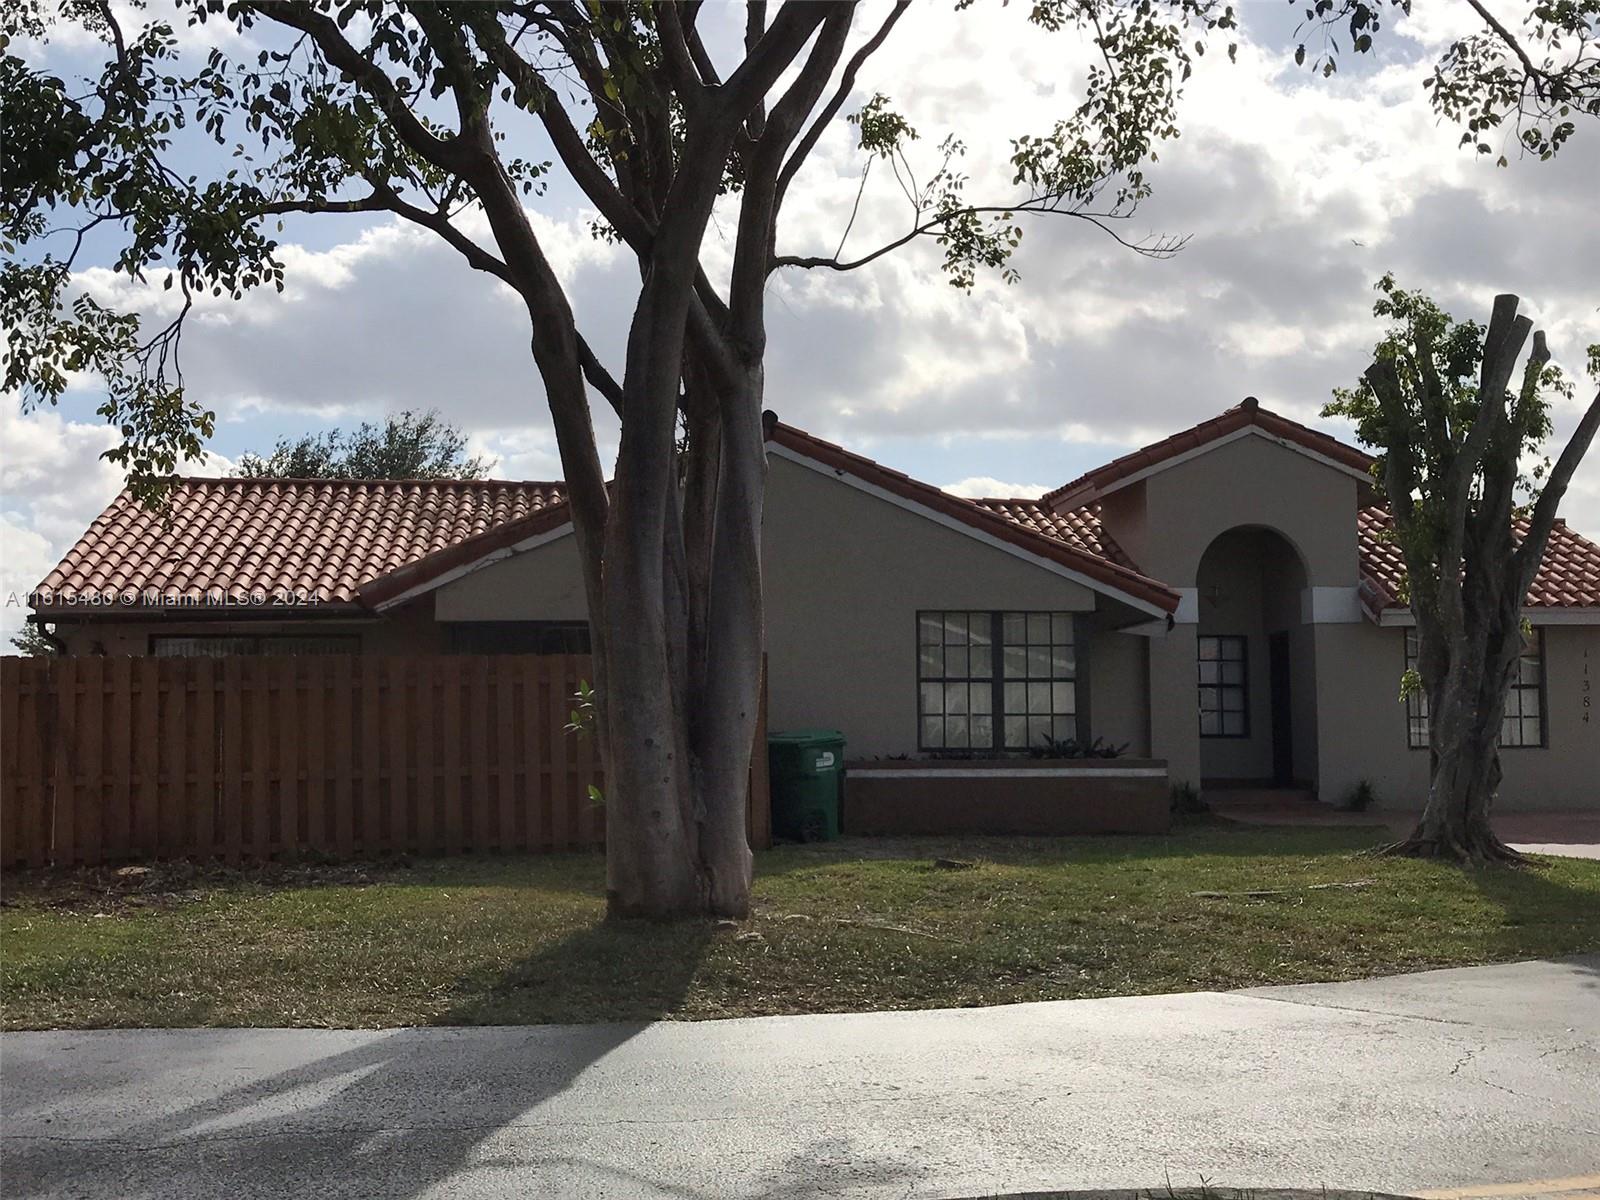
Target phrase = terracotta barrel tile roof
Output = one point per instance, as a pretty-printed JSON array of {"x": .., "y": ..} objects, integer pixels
[
  {"x": 322, "y": 537},
  {"x": 1078, "y": 527},
  {"x": 1569, "y": 576}
]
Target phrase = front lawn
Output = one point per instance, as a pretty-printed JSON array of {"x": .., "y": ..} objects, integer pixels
[{"x": 848, "y": 926}]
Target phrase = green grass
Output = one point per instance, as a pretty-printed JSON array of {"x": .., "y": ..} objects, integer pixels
[{"x": 849, "y": 926}]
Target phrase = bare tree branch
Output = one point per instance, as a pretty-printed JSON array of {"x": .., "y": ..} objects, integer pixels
[{"x": 1164, "y": 247}]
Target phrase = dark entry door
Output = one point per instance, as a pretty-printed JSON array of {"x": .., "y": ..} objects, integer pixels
[{"x": 1282, "y": 726}]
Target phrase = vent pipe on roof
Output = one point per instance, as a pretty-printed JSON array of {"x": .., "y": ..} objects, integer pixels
[{"x": 769, "y": 422}]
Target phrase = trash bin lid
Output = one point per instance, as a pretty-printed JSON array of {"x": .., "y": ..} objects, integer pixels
[{"x": 806, "y": 737}]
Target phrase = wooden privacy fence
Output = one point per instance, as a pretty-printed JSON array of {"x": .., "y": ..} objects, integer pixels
[{"x": 109, "y": 759}]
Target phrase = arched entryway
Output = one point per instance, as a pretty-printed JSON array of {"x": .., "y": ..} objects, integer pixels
[{"x": 1256, "y": 668}]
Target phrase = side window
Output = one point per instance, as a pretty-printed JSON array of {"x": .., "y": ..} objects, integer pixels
[
  {"x": 1522, "y": 727},
  {"x": 1224, "y": 686}
]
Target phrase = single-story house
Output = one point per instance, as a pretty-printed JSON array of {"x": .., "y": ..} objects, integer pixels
[{"x": 1224, "y": 600}]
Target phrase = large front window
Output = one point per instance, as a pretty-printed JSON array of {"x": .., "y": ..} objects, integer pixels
[
  {"x": 995, "y": 681},
  {"x": 1521, "y": 726}
]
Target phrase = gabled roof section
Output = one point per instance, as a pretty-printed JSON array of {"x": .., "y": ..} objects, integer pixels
[
  {"x": 247, "y": 538},
  {"x": 1242, "y": 420},
  {"x": 1568, "y": 577},
  {"x": 1099, "y": 573}
]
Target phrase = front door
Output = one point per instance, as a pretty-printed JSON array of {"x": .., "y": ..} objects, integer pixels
[{"x": 1282, "y": 725}]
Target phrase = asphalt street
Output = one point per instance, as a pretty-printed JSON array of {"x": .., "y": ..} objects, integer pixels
[{"x": 1477, "y": 1082}]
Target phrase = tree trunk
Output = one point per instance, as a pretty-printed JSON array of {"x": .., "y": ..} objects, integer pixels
[
  {"x": 731, "y": 697},
  {"x": 1455, "y": 824},
  {"x": 1465, "y": 707}
]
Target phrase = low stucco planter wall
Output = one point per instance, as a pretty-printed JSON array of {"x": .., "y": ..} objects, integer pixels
[{"x": 1007, "y": 796}]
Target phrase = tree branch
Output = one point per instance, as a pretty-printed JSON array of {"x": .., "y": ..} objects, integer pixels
[
  {"x": 1162, "y": 248},
  {"x": 1533, "y": 73},
  {"x": 447, "y": 154},
  {"x": 1501, "y": 346},
  {"x": 771, "y": 55},
  {"x": 569, "y": 144},
  {"x": 847, "y": 83},
  {"x": 680, "y": 65},
  {"x": 1531, "y": 552},
  {"x": 599, "y": 378}
]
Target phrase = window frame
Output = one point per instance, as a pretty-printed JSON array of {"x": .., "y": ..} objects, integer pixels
[
  {"x": 994, "y": 682},
  {"x": 1416, "y": 704},
  {"x": 1242, "y": 687}
]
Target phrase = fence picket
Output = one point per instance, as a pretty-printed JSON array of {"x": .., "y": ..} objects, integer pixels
[
  {"x": 88, "y": 783},
  {"x": 315, "y": 830},
  {"x": 108, "y": 759},
  {"x": 450, "y": 756},
  {"x": 12, "y": 848},
  {"x": 207, "y": 726},
  {"x": 343, "y": 724}
]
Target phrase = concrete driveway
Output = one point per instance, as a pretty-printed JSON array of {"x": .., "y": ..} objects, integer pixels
[{"x": 1444, "y": 1080}]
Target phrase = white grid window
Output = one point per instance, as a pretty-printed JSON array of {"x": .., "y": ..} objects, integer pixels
[
  {"x": 995, "y": 681},
  {"x": 1224, "y": 686}
]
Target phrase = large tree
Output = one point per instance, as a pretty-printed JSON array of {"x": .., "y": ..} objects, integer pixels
[
  {"x": 442, "y": 115},
  {"x": 1454, "y": 422},
  {"x": 408, "y": 445}
]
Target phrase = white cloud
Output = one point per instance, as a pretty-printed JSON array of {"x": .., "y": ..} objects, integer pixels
[{"x": 976, "y": 486}]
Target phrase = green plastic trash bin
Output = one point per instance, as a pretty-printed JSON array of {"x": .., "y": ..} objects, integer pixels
[{"x": 807, "y": 774}]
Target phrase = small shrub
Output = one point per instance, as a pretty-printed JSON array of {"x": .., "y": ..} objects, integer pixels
[
  {"x": 1072, "y": 748},
  {"x": 1361, "y": 797},
  {"x": 1187, "y": 801}
]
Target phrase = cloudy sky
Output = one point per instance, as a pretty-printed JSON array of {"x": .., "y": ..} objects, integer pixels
[{"x": 1296, "y": 194}]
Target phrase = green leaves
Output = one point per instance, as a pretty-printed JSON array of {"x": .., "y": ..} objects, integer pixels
[
  {"x": 410, "y": 445},
  {"x": 883, "y": 132}
]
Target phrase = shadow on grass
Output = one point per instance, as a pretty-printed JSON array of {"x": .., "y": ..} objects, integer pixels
[
  {"x": 1535, "y": 899},
  {"x": 388, "y": 1114},
  {"x": 630, "y": 970}
]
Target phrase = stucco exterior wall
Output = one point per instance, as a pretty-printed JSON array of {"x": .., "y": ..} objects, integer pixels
[
  {"x": 542, "y": 584},
  {"x": 1119, "y": 708},
  {"x": 1249, "y": 481},
  {"x": 1364, "y": 728},
  {"x": 1169, "y": 520},
  {"x": 846, "y": 574}
]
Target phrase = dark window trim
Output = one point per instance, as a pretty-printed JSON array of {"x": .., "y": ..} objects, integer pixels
[
  {"x": 997, "y": 747},
  {"x": 1412, "y": 704},
  {"x": 460, "y": 634},
  {"x": 1541, "y": 688},
  {"x": 1243, "y": 686},
  {"x": 1544, "y": 708}
]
